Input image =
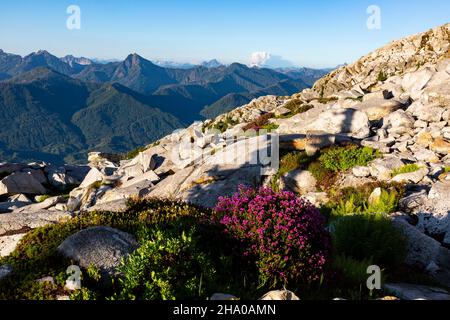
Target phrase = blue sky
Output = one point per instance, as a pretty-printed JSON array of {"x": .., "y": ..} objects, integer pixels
[{"x": 321, "y": 33}]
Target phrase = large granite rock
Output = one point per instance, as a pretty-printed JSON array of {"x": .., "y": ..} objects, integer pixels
[
  {"x": 424, "y": 252},
  {"x": 94, "y": 175},
  {"x": 378, "y": 108},
  {"x": 8, "y": 168},
  {"x": 415, "y": 82},
  {"x": 101, "y": 247},
  {"x": 139, "y": 165},
  {"x": 425, "y": 112},
  {"x": 348, "y": 121},
  {"x": 139, "y": 189},
  {"x": 20, "y": 182},
  {"x": 411, "y": 177},
  {"x": 382, "y": 169},
  {"x": 434, "y": 214},
  {"x": 300, "y": 181}
]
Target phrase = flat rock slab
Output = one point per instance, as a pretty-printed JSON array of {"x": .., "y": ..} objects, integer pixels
[
  {"x": 139, "y": 189},
  {"x": 15, "y": 222},
  {"x": 9, "y": 243},
  {"x": 406, "y": 291},
  {"x": 112, "y": 206},
  {"x": 101, "y": 247},
  {"x": 334, "y": 121},
  {"x": 47, "y": 203}
]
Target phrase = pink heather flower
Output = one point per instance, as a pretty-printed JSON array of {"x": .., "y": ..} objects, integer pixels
[{"x": 285, "y": 232}]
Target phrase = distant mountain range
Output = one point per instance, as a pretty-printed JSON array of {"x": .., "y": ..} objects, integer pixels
[
  {"x": 58, "y": 109},
  {"x": 180, "y": 65}
]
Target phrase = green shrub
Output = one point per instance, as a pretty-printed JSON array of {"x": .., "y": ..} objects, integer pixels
[
  {"x": 327, "y": 100},
  {"x": 293, "y": 160},
  {"x": 270, "y": 127},
  {"x": 134, "y": 153},
  {"x": 348, "y": 201},
  {"x": 354, "y": 272},
  {"x": 325, "y": 177},
  {"x": 407, "y": 168},
  {"x": 346, "y": 207},
  {"x": 360, "y": 99},
  {"x": 325, "y": 167},
  {"x": 446, "y": 169},
  {"x": 369, "y": 235},
  {"x": 362, "y": 193},
  {"x": 223, "y": 125},
  {"x": 295, "y": 106},
  {"x": 343, "y": 158},
  {"x": 387, "y": 203},
  {"x": 43, "y": 198},
  {"x": 382, "y": 76},
  {"x": 172, "y": 265}
]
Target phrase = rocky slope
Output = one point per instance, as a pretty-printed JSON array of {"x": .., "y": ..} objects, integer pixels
[{"x": 396, "y": 100}]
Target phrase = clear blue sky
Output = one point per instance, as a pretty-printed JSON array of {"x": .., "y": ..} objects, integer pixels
[{"x": 309, "y": 33}]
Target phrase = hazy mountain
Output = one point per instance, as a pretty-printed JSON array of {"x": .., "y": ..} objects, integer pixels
[
  {"x": 74, "y": 61},
  {"x": 173, "y": 64},
  {"x": 185, "y": 65},
  {"x": 211, "y": 64}
]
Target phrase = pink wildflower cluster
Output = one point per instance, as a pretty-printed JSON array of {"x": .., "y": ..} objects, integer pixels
[{"x": 284, "y": 232}]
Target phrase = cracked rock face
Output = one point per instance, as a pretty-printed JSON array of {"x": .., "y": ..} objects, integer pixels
[
  {"x": 101, "y": 247},
  {"x": 17, "y": 221}
]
